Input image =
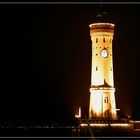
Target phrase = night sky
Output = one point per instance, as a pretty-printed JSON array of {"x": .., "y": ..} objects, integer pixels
[{"x": 46, "y": 59}]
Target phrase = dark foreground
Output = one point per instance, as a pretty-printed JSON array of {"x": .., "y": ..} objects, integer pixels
[
  {"x": 72, "y": 133},
  {"x": 72, "y": 130}
]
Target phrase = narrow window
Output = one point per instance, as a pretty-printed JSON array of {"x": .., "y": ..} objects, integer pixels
[
  {"x": 106, "y": 100},
  {"x": 96, "y": 68},
  {"x": 96, "y": 54},
  {"x": 104, "y": 39},
  {"x": 111, "y": 68},
  {"x": 96, "y": 40}
]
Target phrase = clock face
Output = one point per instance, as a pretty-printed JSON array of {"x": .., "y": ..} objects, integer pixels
[{"x": 104, "y": 53}]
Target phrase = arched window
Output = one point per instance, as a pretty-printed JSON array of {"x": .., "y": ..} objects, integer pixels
[
  {"x": 104, "y": 39},
  {"x": 96, "y": 40},
  {"x": 106, "y": 100},
  {"x": 96, "y": 68}
]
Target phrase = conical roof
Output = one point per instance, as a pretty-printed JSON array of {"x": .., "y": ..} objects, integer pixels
[{"x": 103, "y": 17}]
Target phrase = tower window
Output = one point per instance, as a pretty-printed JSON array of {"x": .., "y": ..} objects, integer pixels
[
  {"x": 96, "y": 40},
  {"x": 106, "y": 100},
  {"x": 96, "y": 54},
  {"x": 104, "y": 39},
  {"x": 111, "y": 68},
  {"x": 96, "y": 68}
]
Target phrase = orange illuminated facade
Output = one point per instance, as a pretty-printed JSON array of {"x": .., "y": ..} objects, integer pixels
[{"x": 102, "y": 91}]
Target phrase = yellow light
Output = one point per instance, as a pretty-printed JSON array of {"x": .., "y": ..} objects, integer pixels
[
  {"x": 83, "y": 124},
  {"x": 131, "y": 121},
  {"x": 105, "y": 124},
  {"x": 136, "y": 121},
  {"x": 94, "y": 124},
  {"x": 98, "y": 124},
  {"x": 79, "y": 113},
  {"x": 118, "y": 124}
]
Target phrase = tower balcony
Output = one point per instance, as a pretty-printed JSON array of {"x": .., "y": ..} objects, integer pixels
[
  {"x": 102, "y": 27},
  {"x": 104, "y": 89}
]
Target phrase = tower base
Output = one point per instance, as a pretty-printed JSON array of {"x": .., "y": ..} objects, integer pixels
[{"x": 102, "y": 103}]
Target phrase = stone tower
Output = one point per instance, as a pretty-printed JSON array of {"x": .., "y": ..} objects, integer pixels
[{"x": 102, "y": 91}]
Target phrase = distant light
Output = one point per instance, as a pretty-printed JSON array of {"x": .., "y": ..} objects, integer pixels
[
  {"x": 79, "y": 113},
  {"x": 133, "y": 121},
  {"x": 119, "y": 124},
  {"x": 105, "y": 124},
  {"x": 136, "y": 129},
  {"x": 83, "y": 124},
  {"x": 94, "y": 124},
  {"x": 98, "y": 124},
  {"x": 137, "y": 121}
]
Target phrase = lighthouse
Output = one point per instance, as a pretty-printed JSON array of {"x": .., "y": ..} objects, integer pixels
[{"x": 102, "y": 104}]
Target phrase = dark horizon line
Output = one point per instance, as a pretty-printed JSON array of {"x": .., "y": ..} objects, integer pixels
[{"x": 73, "y": 2}]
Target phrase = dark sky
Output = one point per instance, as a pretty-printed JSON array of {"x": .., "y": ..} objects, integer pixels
[{"x": 46, "y": 59}]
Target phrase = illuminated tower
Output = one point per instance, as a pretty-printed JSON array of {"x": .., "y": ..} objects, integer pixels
[{"x": 102, "y": 97}]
